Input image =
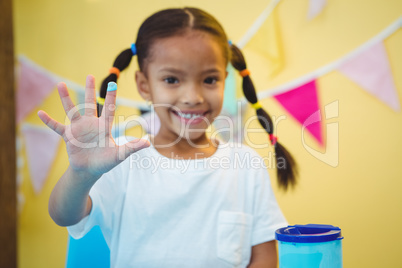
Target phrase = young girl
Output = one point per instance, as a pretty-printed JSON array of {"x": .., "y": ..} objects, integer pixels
[{"x": 220, "y": 210}]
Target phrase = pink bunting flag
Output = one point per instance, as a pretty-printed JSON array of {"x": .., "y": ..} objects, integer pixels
[
  {"x": 371, "y": 70},
  {"x": 33, "y": 86},
  {"x": 41, "y": 147},
  {"x": 301, "y": 103},
  {"x": 315, "y": 7}
]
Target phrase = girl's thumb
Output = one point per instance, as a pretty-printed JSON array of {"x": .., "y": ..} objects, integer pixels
[{"x": 131, "y": 147}]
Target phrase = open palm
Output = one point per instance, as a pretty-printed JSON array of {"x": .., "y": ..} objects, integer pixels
[{"x": 90, "y": 145}]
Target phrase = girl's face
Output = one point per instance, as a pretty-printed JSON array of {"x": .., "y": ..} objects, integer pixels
[{"x": 184, "y": 79}]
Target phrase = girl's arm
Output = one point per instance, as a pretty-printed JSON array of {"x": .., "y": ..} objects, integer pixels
[
  {"x": 264, "y": 255},
  {"x": 69, "y": 201},
  {"x": 91, "y": 151}
]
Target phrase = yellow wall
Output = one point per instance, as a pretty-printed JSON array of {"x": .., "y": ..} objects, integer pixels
[{"x": 361, "y": 195}]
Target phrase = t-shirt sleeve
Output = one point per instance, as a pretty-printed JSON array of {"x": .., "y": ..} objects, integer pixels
[
  {"x": 80, "y": 229},
  {"x": 268, "y": 216},
  {"x": 106, "y": 195}
]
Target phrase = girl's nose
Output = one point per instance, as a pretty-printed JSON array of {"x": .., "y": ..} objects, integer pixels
[{"x": 192, "y": 96}]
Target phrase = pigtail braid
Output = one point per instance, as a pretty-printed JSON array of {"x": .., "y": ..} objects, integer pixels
[
  {"x": 121, "y": 62},
  {"x": 287, "y": 169}
]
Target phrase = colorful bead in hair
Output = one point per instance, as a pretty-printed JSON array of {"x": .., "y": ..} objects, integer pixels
[
  {"x": 244, "y": 73},
  {"x": 115, "y": 70},
  {"x": 256, "y": 105},
  {"x": 273, "y": 139},
  {"x": 133, "y": 49},
  {"x": 101, "y": 101}
]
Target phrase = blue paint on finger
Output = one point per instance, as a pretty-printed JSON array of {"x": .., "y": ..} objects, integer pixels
[{"x": 111, "y": 86}]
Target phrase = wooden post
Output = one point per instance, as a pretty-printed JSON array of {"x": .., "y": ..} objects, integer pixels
[{"x": 8, "y": 214}]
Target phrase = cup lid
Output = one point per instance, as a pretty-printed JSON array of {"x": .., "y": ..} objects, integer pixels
[{"x": 308, "y": 233}]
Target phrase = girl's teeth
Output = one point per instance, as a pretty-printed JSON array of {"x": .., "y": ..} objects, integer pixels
[{"x": 189, "y": 116}]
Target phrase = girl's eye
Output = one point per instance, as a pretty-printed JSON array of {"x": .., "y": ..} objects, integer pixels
[
  {"x": 211, "y": 80},
  {"x": 171, "y": 80}
]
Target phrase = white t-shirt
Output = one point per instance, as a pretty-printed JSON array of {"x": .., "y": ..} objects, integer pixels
[{"x": 156, "y": 211}]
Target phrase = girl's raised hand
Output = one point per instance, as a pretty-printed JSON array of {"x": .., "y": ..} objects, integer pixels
[{"x": 90, "y": 145}]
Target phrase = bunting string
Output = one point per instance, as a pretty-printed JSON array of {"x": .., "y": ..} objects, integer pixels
[
  {"x": 257, "y": 23},
  {"x": 41, "y": 145}
]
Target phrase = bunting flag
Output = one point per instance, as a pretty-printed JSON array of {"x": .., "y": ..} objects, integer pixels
[
  {"x": 371, "y": 70},
  {"x": 267, "y": 42},
  {"x": 315, "y": 7},
  {"x": 41, "y": 147},
  {"x": 258, "y": 23},
  {"x": 301, "y": 103},
  {"x": 33, "y": 86}
]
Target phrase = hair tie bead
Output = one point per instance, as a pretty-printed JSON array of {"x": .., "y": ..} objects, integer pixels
[
  {"x": 273, "y": 139},
  {"x": 133, "y": 49},
  {"x": 256, "y": 105},
  {"x": 100, "y": 100},
  {"x": 244, "y": 73},
  {"x": 115, "y": 70}
]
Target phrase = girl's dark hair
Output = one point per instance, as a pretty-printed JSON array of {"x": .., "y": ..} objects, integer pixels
[
  {"x": 173, "y": 22},
  {"x": 287, "y": 171},
  {"x": 163, "y": 24}
]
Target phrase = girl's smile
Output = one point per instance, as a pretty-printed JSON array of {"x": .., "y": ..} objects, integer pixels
[{"x": 190, "y": 117}]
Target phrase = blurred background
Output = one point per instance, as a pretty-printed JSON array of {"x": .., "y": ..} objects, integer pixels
[{"x": 342, "y": 58}]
